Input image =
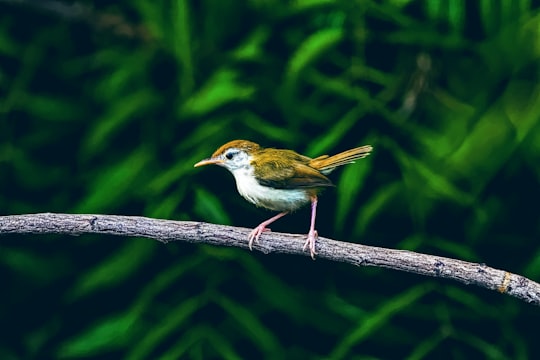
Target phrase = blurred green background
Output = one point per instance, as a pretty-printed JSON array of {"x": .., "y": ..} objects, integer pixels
[{"x": 105, "y": 107}]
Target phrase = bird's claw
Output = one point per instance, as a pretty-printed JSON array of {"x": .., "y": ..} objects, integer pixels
[
  {"x": 310, "y": 243},
  {"x": 255, "y": 234}
]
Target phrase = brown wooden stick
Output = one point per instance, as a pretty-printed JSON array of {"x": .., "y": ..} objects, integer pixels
[{"x": 198, "y": 232}]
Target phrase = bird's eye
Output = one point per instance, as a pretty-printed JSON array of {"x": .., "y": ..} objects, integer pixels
[{"x": 230, "y": 155}]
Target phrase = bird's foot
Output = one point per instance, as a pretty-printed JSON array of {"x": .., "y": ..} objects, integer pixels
[
  {"x": 255, "y": 234},
  {"x": 310, "y": 243}
]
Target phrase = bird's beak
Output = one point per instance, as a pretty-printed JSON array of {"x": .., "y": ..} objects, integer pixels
[{"x": 210, "y": 161}]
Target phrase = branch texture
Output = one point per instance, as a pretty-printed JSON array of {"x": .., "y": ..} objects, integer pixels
[{"x": 197, "y": 232}]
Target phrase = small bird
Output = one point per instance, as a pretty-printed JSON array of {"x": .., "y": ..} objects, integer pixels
[{"x": 280, "y": 180}]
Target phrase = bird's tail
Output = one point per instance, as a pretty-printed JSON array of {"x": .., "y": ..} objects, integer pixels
[{"x": 326, "y": 164}]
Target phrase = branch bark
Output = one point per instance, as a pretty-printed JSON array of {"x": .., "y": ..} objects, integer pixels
[{"x": 197, "y": 232}]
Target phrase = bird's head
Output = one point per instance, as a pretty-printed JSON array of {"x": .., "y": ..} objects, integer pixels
[{"x": 233, "y": 155}]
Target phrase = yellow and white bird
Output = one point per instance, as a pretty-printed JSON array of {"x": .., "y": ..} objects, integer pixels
[{"x": 279, "y": 179}]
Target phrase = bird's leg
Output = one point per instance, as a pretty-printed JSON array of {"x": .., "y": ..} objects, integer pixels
[
  {"x": 256, "y": 233},
  {"x": 312, "y": 235}
]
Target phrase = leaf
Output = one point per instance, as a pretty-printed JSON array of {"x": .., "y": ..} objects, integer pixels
[
  {"x": 483, "y": 346},
  {"x": 110, "y": 188},
  {"x": 451, "y": 12},
  {"x": 105, "y": 335},
  {"x": 200, "y": 140},
  {"x": 250, "y": 325},
  {"x": 251, "y": 48},
  {"x": 8, "y": 46},
  {"x": 336, "y": 133},
  {"x": 457, "y": 14},
  {"x": 268, "y": 129},
  {"x": 164, "y": 281},
  {"x": 118, "y": 115},
  {"x": 532, "y": 270},
  {"x": 468, "y": 299},
  {"x": 175, "y": 320},
  {"x": 49, "y": 108},
  {"x": 221, "y": 88},
  {"x": 208, "y": 207},
  {"x": 313, "y": 47},
  {"x": 378, "y": 202},
  {"x": 117, "y": 80},
  {"x": 273, "y": 284},
  {"x": 165, "y": 207},
  {"x": 350, "y": 184},
  {"x": 202, "y": 336},
  {"x": 377, "y": 319},
  {"x": 26, "y": 262},
  {"x": 454, "y": 249},
  {"x": 114, "y": 270},
  {"x": 480, "y": 155},
  {"x": 422, "y": 350},
  {"x": 436, "y": 184},
  {"x": 310, "y": 5},
  {"x": 181, "y": 40}
]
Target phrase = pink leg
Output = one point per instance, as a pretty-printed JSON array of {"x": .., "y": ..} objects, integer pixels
[
  {"x": 312, "y": 235},
  {"x": 256, "y": 233}
]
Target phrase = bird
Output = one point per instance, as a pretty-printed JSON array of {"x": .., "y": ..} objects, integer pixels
[{"x": 280, "y": 179}]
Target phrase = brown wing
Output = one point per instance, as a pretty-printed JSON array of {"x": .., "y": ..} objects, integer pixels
[{"x": 285, "y": 169}]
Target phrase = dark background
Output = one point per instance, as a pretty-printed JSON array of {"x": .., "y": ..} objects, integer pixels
[{"x": 105, "y": 107}]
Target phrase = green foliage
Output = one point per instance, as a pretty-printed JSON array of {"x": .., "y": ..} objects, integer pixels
[
  {"x": 106, "y": 335},
  {"x": 105, "y": 109}
]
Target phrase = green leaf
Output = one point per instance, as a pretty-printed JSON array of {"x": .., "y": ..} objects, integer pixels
[
  {"x": 456, "y": 14},
  {"x": 268, "y": 129},
  {"x": 251, "y": 48},
  {"x": 167, "y": 325},
  {"x": 250, "y": 325},
  {"x": 336, "y": 133},
  {"x": 166, "y": 206},
  {"x": 376, "y": 204},
  {"x": 273, "y": 284},
  {"x": 202, "y": 336},
  {"x": 114, "y": 270},
  {"x": 208, "y": 207},
  {"x": 8, "y": 45},
  {"x": 110, "y": 188},
  {"x": 532, "y": 270},
  {"x": 483, "y": 346},
  {"x": 47, "y": 107},
  {"x": 479, "y": 156},
  {"x": 222, "y": 88},
  {"x": 456, "y": 249},
  {"x": 350, "y": 184},
  {"x": 182, "y": 43},
  {"x": 164, "y": 281},
  {"x": 489, "y": 15},
  {"x": 105, "y": 335},
  {"x": 469, "y": 300},
  {"x": 436, "y": 184},
  {"x": 377, "y": 319},
  {"x": 310, "y": 5},
  {"x": 312, "y": 48},
  {"x": 118, "y": 115},
  {"x": 422, "y": 350},
  {"x": 26, "y": 262}
]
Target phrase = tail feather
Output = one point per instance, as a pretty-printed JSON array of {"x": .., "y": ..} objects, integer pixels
[{"x": 326, "y": 164}]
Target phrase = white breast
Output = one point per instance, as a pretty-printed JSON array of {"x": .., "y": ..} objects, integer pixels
[{"x": 270, "y": 198}]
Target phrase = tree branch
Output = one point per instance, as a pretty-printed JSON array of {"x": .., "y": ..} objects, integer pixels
[{"x": 197, "y": 232}]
